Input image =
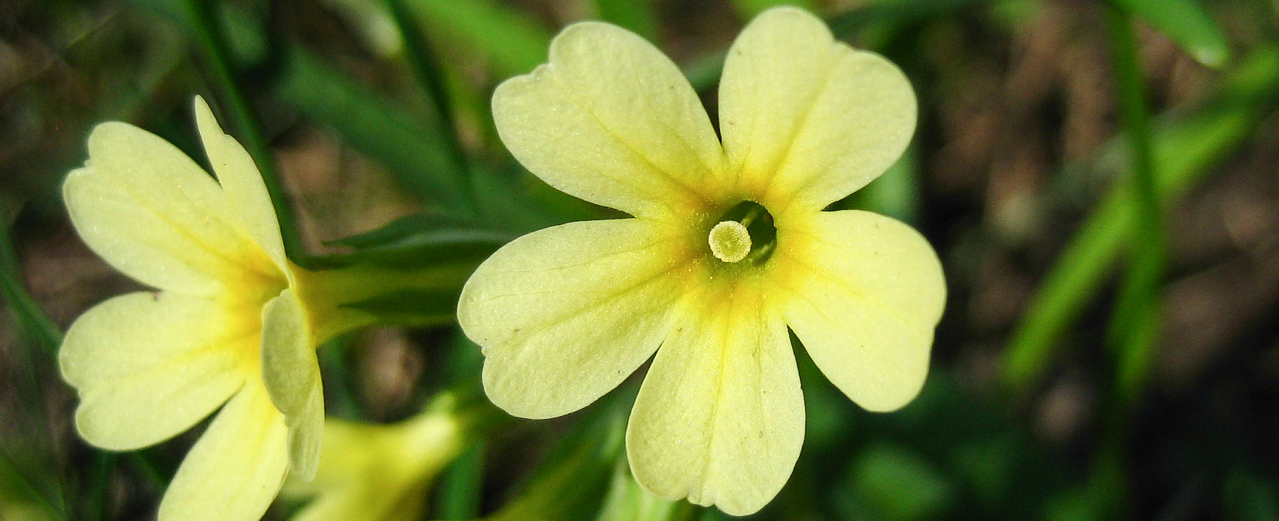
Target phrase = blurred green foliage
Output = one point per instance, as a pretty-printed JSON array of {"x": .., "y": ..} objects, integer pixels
[{"x": 1014, "y": 431}]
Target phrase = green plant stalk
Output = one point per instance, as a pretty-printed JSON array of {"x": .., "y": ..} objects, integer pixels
[
  {"x": 1129, "y": 337},
  {"x": 1182, "y": 151},
  {"x": 426, "y": 68},
  {"x": 209, "y": 36}
]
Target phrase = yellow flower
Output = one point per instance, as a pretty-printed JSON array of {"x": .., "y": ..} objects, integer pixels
[
  {"x": 380, "y": 472},
  {"x": 226, "y": 329},
  {"x": 729, "y": 246}
]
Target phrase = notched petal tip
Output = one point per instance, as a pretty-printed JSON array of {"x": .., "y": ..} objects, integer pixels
[
  {"x": 807, "y": 119},
  {"x": 719, "y": 418},
  {"x": 611, "y": 120},
  {"x": 146, "y": 367},
  {"x": 566, "y": 313}
]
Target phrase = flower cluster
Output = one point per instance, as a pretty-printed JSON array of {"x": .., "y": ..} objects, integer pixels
[{"x": 728, "y": 250}]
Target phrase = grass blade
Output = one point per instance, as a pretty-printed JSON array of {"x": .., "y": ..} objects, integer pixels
[{"x": 1186, "y": 23}]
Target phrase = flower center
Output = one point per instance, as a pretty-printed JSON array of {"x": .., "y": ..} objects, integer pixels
[
  {"x": 744, "y": 232},
  {"x": 730, "y": 241}
]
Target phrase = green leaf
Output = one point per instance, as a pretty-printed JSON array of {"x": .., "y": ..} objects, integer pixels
[
  {"x": 423, "y": 239},
  {"x": 1187, "y": 23},
  {"x": 514, "y": 42}
]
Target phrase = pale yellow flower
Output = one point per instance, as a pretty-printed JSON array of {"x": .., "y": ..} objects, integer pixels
[
  {"x": 567, "y": 313},
  {"x": 226, "y": 329},
  {"x": 371, "y": 472}
]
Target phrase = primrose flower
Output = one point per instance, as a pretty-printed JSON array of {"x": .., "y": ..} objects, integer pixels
[
  {"x": 380, "y": 472},
  {"x": 728, "y": 248},
  {"x": 226, "y": 329}
]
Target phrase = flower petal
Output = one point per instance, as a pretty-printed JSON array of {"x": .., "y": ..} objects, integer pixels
[
  {"x": 292, "y": 375},
  {"x": 720, "y": 416},
  {"x": 148, "y": 366},
  {"x": 807, "y": 120},
  {"x": 610, "y": 120},
  {"x": 566, "y": 313},
  {"x": 242, "y": 183},
  {"x": 152, "y": 213},
  {"x": 235, "y": 470},
  {"x": 865, "y": 292}
]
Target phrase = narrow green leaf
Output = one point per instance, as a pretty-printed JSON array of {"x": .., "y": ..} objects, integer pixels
[
  {"x": 1187, "y": 23},
  {"x": 514, "y": 42},
  {"x": 634, "y": 15},
  {"x": 421, "y": 240},
  {"x": 1183, "y": 151},
  {"x": 1130, "y": 335}
]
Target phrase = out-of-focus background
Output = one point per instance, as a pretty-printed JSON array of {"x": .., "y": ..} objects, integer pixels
[{"x": 1043, "y": 401}]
